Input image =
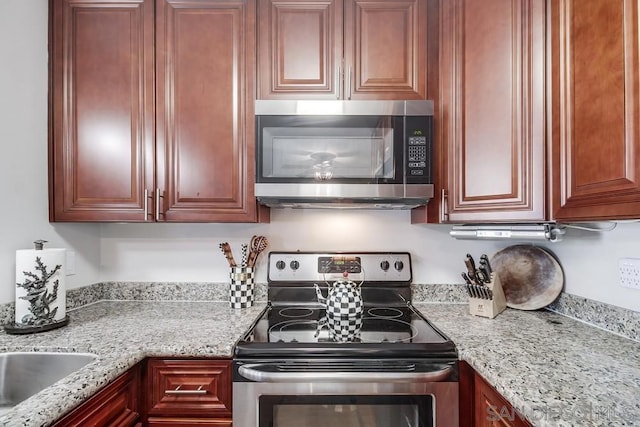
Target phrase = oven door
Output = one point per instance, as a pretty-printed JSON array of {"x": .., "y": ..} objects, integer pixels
[{"x": 266, "y": 395}]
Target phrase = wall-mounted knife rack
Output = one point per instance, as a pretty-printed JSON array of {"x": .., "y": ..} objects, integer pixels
[{"x": 490, "y": 303}]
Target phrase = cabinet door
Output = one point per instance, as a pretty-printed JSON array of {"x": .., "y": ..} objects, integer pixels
[
  {"x": 101, "y": 110},
  {"x": 492, "y": 410},
  {"x": 115, "y": 405},
  {"x": 385, "y": 45},
  {"x": 492, "y": 109},
  {"x": 299, "y": 49},
  {"x": 595, "y": 122},
  {"x": 205, "y": 127},
  {"x": 188, "y": 389}
]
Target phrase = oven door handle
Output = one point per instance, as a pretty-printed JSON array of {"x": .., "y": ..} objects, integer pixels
[{"x": 254, "y": 373}]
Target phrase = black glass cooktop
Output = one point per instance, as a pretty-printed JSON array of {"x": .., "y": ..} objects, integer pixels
[{"x": 388, "y": 331}]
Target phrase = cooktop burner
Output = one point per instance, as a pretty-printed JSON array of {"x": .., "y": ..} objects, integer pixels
[
  {"x": 376, "y": 325},
  {"x": 296, "y": 323}
]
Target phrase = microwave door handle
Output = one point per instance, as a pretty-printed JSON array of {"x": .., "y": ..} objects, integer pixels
[{"x": 254, "y": 373}]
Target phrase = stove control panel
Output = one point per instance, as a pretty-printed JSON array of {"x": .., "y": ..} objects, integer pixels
[{"x": 317, "y": 266}]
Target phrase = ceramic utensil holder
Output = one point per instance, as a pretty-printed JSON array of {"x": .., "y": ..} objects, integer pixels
[
  {"x": 489, "y": 307},
  {"x": 242, "y": 287}
]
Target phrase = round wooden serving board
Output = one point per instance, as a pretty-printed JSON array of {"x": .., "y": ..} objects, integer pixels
[{"x": 531, "y": 277}]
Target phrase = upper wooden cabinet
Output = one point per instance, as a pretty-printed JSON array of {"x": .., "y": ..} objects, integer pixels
[
  {"x": 205, "y": 70},
  {"x": 118, "y": 154},
  {"x": 102, "y": 111},
  {"x": 490, "y": 113},
  {"x": 595, "y": 108},
  {"x": 330, "y": 49},
  {"x": 492, "y": 109}
]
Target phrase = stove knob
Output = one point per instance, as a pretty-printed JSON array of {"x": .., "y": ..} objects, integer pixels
[
  {"x": 399, "y": 265},
  {"x": 280, "y": 265},
  {"x": 384, "y": 265},
  {"x": 294, "y": 265}
]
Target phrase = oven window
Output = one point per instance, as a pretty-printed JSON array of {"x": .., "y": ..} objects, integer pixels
[
  {"x": 346, "y": 411},
  {"x": 327, "y": 148}
]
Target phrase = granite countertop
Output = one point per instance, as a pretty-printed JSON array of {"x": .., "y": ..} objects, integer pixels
[
  {"x": 122, "y": 333},
  {"x": 554, "y": 370}
]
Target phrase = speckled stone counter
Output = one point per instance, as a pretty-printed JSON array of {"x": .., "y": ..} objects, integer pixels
[
  {"x": 122, "y": 333},
  {"x": 554, "y": 370}
]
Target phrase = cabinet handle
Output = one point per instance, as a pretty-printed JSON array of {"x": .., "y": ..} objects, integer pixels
[
  {"x": 349, "y": 82},
  {"x": 339, "y": 82},
  {"x": 158, "y": 197},
  {"x": 146, "y": 204},
  {"x": 147, "y": 196},
  {"x": 443, "y": 206},
  {"x": 177, "y": 390}
]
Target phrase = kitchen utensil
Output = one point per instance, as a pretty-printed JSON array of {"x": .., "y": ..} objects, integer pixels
[
  {"x": 484, "y": 275},
  {"x": 486, "y": 299},
  {"x": 485, "y": 292},
  {"x": 256, "y": 246},
  {"x": 479, "y": 291},
  {"x": 471, "y": 268},
  {"x": 465, "y": 276},
  {"x": 484, "y": 260},
  {"x": 343, "y": 299},
  {"x": 470, "y": 291},
  {"x": 531, "y": 276},
  {"x": 226, "y": 250},
  {"x": 244, "y": 254},
  {"x": 341, "y": 328}
]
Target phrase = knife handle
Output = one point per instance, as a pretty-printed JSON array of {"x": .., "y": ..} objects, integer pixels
[
  {"x": 466, "y": 278},
  {"x": 484, "y": 260},
  {"x": 468, "y": 288},
  {"x": 471, "y": 267},
  {"x": 484, "y": 275}
]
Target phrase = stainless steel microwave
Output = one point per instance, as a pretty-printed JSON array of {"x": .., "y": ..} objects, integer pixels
[{"x": 353, "y": 154}]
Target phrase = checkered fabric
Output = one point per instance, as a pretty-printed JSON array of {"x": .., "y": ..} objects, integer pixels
[{"x": 241, "y": 291}]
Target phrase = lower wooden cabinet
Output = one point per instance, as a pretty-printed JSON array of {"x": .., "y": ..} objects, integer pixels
[
  {"x": 117, "y": 405},
  {"x": 188, "y": 392},
  {"x": 482, "y": 406},
  {"x": 188, "y": 422}
]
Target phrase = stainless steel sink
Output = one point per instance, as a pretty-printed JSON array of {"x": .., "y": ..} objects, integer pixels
[{"x": 23, "y": 374}]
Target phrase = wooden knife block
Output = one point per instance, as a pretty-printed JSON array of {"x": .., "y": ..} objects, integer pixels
[{"x": 489, "y": 308}]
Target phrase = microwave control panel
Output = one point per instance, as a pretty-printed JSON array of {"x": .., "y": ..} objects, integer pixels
[{"x": 418, "y": 150}]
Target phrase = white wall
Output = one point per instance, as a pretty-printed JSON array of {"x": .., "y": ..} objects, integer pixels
[
  {"x": 189, "y": 252},
  {"x": 23, "y": 141}
]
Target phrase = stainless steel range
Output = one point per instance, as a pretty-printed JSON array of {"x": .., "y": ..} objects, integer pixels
[{"x": 359, "y": 355}]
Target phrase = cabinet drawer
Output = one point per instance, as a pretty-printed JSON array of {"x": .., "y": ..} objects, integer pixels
[{"x": 189, "y": 388}]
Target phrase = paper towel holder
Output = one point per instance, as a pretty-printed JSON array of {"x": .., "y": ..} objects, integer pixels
[{"x": 41, "y": 297}]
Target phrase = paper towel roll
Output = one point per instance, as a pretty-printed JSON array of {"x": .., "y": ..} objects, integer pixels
[{"x": 40, "y": 275}]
